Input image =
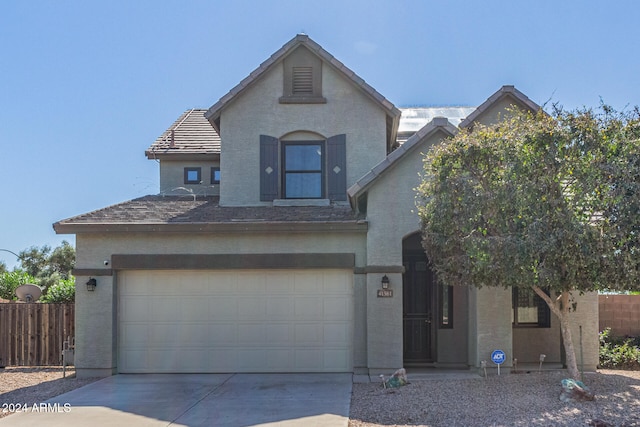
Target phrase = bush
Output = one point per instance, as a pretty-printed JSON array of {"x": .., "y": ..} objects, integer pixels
[
  {"x": 63, "y": 291},
  {"x": 619, "y": 352},
  {"x": 9, "y": 281}
]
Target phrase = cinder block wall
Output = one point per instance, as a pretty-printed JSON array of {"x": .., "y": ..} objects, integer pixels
[{"x": 621, "y": 313}]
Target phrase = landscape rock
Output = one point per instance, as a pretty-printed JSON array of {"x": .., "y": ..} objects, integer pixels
[{"x": 575, "y": 391}]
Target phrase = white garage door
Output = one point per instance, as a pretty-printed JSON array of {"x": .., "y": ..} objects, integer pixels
[{"x": 235, "y": 321}]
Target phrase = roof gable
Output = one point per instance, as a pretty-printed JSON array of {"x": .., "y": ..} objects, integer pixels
[
  {"x": 505, "y": 93},
  {"x": 438, "y": 124},
  {"x": 214, "y": 112}
]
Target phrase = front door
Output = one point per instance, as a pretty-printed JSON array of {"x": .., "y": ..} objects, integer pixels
[{"x": 419, "y": 316}]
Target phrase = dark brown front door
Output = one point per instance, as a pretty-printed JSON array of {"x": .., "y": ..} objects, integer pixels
[{"x": 418, "y": 309}]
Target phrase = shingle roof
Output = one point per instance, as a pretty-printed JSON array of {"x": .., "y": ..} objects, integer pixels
[
  {"x": 191, "y": 133},
  {"x": 158, "y": 212}
]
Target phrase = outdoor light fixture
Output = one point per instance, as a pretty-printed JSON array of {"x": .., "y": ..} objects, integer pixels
[
  {"x": 385, "y": 282},
  {"x": 91, "y": 284}
]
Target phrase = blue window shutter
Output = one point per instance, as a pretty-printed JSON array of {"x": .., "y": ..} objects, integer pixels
[
  {"x": 268, "y": 168},
  {"x": 337, "y": 167}
]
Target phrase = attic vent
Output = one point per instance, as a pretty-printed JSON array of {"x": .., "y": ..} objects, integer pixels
[{"x": 303, "y": 80}]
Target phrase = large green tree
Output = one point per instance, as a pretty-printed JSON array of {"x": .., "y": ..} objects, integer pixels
[
  {"x": 48, "y": 266},
  {"x": 537, "y": 201}
]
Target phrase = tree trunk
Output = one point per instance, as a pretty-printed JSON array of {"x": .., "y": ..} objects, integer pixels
[{"x": 560, "y": 308}]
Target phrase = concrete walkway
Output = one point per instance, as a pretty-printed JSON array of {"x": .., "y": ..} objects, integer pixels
[{"x": 199, "y": 400}]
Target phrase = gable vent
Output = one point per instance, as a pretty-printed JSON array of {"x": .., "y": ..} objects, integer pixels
[{"x": 302, "y": 80}]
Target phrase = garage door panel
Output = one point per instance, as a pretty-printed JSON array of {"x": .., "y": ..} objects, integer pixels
[
  {"x": 235, "y": 321},
  {"x": 134, "y": 335},
  {"x": 135, "y": 308},
  {"x": 165, "y": 309},
  {"x": 222, "y": 360},
  {"x": 334, "y": 334},
  {"x": 166, "y": 333},
  {"x": 280, "y": 308},
  {"x": 193, "y": 334},
  {"x": 223, "y": 308},
  {"x": 194, "y": 309},
  {"x": 308, "y": 308},
  {"x": 279, "y": 335},
  {"x": 251, "y": 334},
  {"x": 223, "y": 334},
  {"x": 308, "y": 333},
  {"x": 251, "y": 308},
  {"x": 336, "y": 359},
  {"x": 337, "y": 309}
]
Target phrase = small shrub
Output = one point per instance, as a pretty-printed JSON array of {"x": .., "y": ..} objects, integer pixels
[
  {"x": 619, "y": 352},
  {"x": 63, "y": 291}
]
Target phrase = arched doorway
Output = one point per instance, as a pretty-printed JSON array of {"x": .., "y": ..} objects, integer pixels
[{"x": 419, "y": 296}]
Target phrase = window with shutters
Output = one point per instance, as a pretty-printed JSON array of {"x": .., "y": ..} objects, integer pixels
[{"x": 303, "y": 169}]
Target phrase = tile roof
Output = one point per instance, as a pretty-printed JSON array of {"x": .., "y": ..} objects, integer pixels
[
  {"x": 191, "y": 133},
  {"x": 171, "y": 210}
]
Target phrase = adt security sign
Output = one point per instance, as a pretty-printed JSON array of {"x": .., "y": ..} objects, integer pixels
[{"x": 498, "y": 357}]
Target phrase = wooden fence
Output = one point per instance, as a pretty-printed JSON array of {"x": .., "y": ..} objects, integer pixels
[
  {"x": 32, "y": 334},
  {"x": 621, "y": 313}
]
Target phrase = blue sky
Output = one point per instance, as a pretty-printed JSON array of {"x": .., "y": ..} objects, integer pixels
[{"x": 87, "y": 86}]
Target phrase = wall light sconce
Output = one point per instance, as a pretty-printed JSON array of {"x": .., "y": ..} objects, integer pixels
[
  {"x": 385, "y": 282},
  {"x": 91, "y": 284}
]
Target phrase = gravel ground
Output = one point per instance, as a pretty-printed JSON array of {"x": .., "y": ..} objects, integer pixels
[
  {"x": 507, "y": 400},
  {"x": 29, "y": 385}
]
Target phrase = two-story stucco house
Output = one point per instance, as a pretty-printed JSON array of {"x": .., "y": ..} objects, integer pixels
[{"x": 284, "y": 238}]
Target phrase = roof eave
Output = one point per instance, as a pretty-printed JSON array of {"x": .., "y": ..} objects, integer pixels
[
  {"x": 174, "y": 155},
  {"x": 272, "y": 227}
]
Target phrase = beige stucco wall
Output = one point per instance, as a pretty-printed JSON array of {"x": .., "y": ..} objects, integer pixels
[
  {"x": 530, "y": 343},
  {"x": 586, "y": 318},
  {"x": 257, "y": 111},
  {"x": 489, "y": 325},
  {"x": 172, "y": 178}
]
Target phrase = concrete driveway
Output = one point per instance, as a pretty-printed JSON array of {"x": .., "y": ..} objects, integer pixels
[{"x": 199, "y": 400}]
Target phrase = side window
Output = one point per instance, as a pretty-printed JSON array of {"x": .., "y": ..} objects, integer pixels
[
  {"x": 192, "y": 175},
  {"x": 529, "y": 310},
  {"x": 446, "y": 307},
  {"x": 215, "y": 175}
]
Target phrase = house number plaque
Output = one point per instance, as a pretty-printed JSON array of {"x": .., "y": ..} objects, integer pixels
[{"x": 385, "y": 293}]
